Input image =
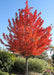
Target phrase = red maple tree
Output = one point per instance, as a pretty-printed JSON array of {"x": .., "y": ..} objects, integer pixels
[{"x": 26, "y": 34}]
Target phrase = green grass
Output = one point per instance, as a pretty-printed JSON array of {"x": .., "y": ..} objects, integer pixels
[
  {"x": 30, "y": 73},
  {"x": 4, "y": 73}
]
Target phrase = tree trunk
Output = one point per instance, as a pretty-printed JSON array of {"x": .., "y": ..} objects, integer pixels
[
  {"x": 26, "y": 66},
  {"x": 9, "y": 73}
]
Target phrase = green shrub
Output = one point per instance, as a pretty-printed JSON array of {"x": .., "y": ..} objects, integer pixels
[
  {"x": 47, "y": 73},
  {"x": 6, "y": 61},
  {"x": 51, "y": 68},
  {"x": 19, "y": 65},
  {"x": 35, "y": 65}
]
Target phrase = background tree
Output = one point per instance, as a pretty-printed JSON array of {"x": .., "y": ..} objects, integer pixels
[
  {"x": 53, "y": 56},
  {"x": 26, "y": 34},
  {"x": 6, "y": 61},
  {"x": 53, "y": 60},
  {"x": 51, "y": 48}
]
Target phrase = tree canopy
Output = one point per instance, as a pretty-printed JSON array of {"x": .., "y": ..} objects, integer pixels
[{"x": 27, "y": 36}]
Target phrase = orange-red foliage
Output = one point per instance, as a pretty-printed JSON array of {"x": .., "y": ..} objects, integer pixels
[{"x": 26, "y": 35}]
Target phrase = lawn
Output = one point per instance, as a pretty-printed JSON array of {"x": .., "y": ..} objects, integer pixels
[
  {"x": 5, "y": 73},
  {"x": 31, "y": 73}
]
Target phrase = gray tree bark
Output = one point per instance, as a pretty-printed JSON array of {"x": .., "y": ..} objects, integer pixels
[{"x": 26, "y": 66}]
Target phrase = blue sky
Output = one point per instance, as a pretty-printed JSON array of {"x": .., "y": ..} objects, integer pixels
[{"x": 9, "y": 7}]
